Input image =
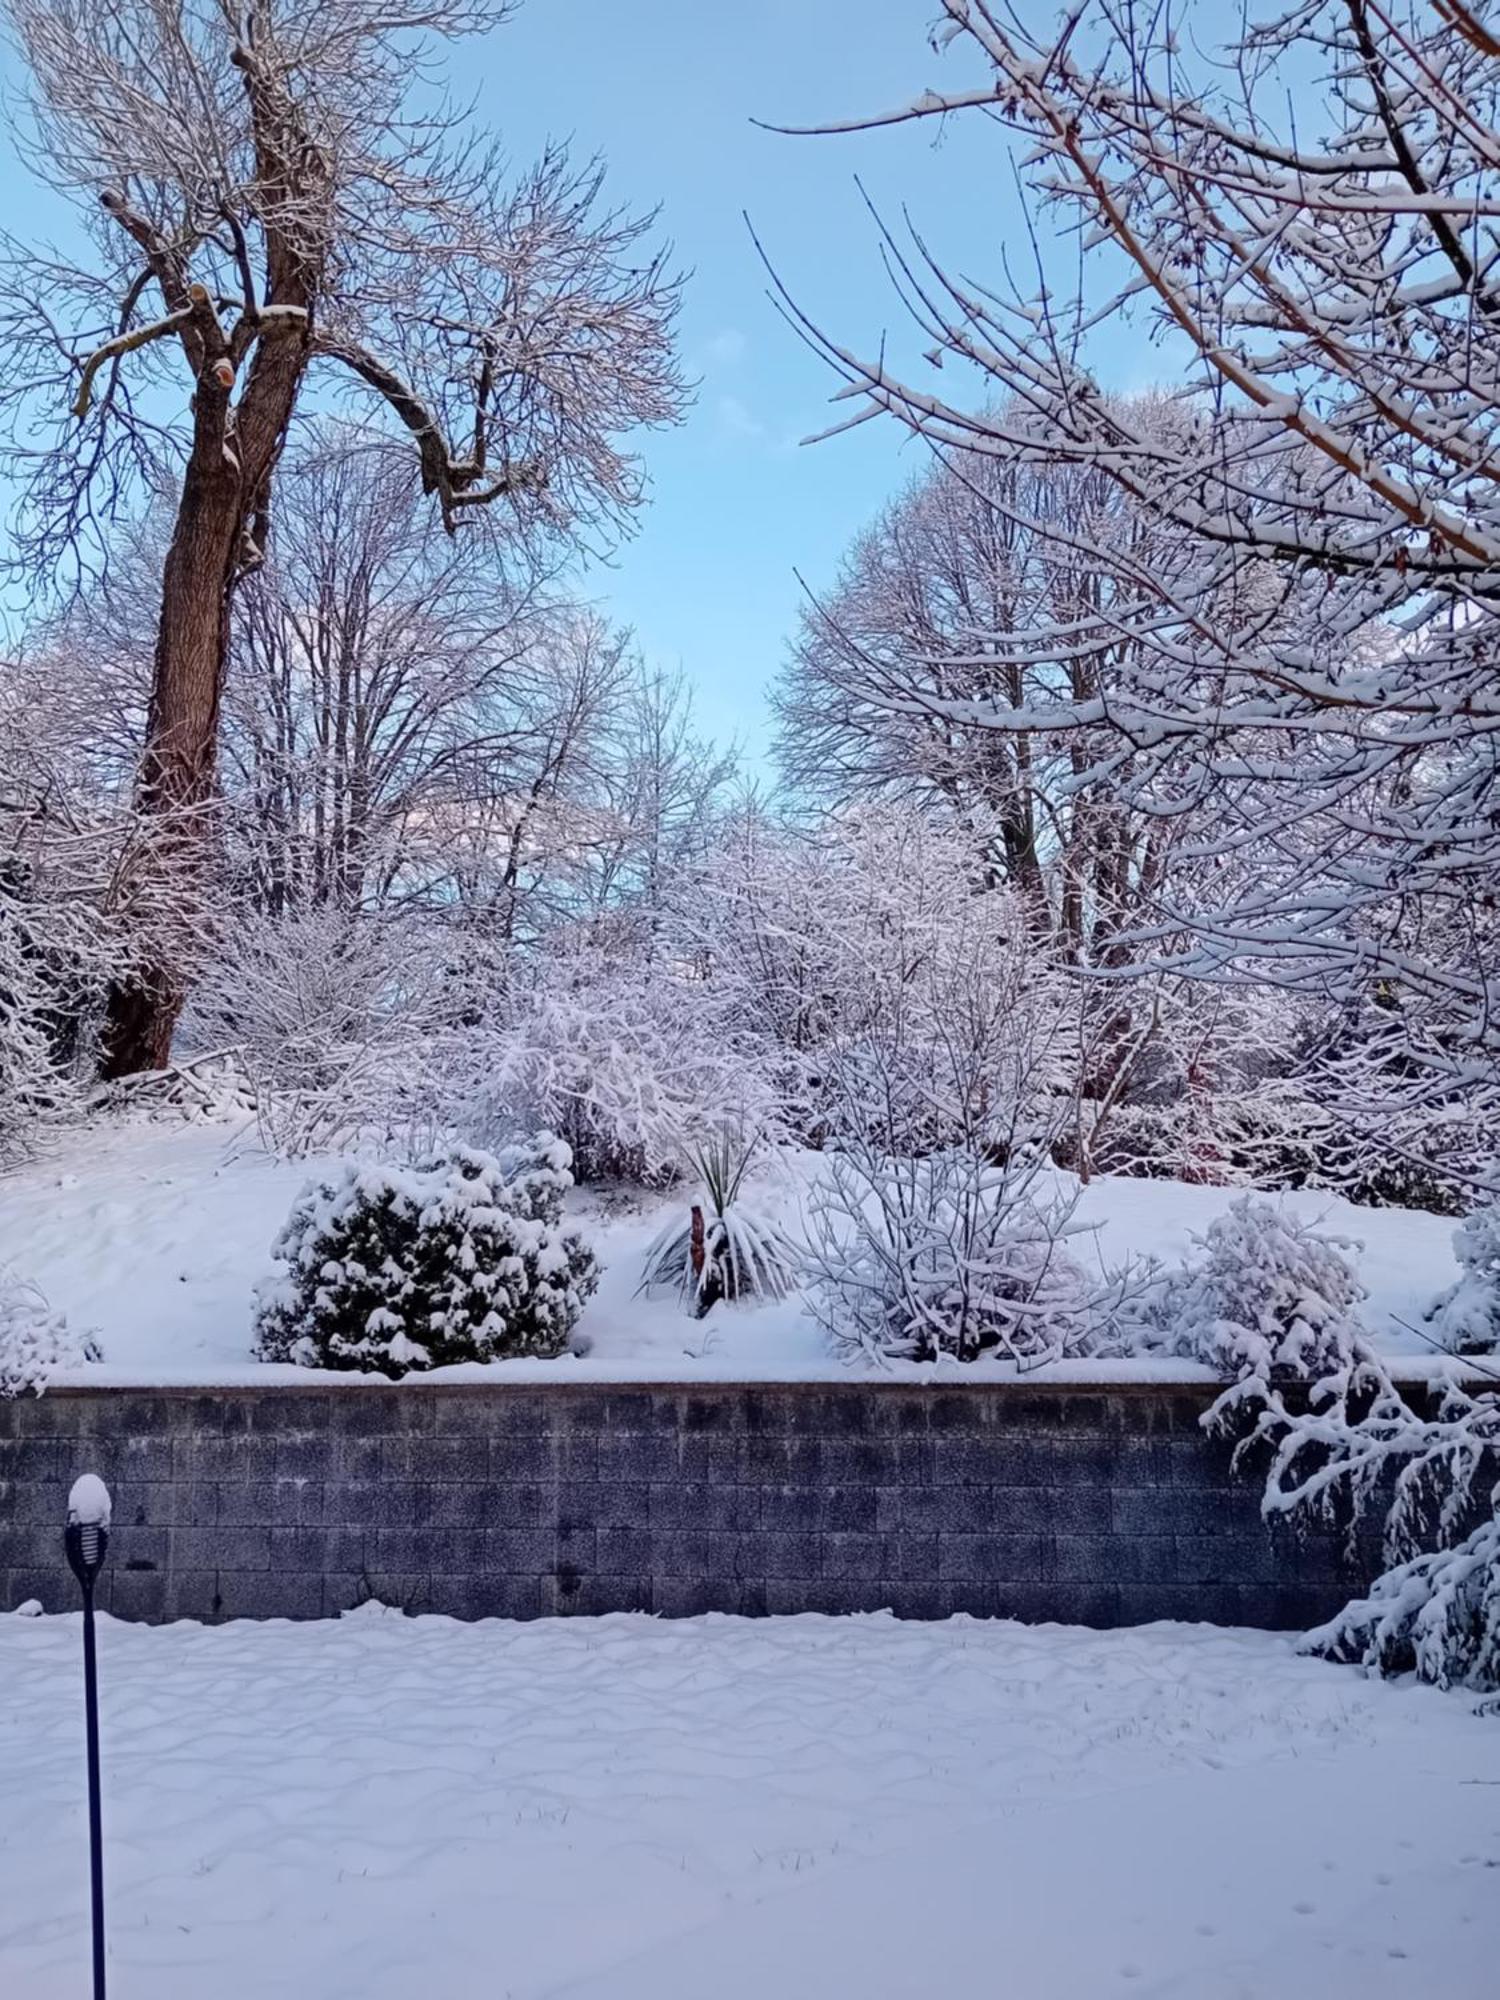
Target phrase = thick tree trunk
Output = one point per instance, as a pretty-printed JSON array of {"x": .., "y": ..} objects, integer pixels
[
  {"x": 226, "y": 495},
  {"x": 176, "y": 784}
]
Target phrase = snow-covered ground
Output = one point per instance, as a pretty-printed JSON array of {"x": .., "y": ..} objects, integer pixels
[
  {"x": 809, "y": 1808},
  {"x": 155, "y": 1235}
]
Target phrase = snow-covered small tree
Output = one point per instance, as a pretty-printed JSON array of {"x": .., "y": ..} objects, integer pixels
[
  {"x": 622, "y": 1049},
  {"x": 873, "y": 960},
  {"x": 939, "y": 1226},
  {"x": 330, "y": 1014},
  {"x": 31, "y": 1080},
  {"x": 463, "y": 1258},
  {"x": 35, "y": 1341},
  {"x": 59, "y": 939},
  {"x": 1268, "y": 1299},
  {"x": 1276, "y": 1306},
  {"x": 1466, "y": 1319}
]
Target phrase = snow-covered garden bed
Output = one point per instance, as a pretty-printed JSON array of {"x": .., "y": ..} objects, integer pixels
[{"x": 154, "y": 1236}]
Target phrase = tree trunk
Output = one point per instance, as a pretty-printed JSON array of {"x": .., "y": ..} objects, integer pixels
[{"x": 176, "y": 783}]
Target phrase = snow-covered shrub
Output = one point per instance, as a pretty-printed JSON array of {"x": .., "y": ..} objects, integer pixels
[
  {"x": 1437, "y": 1616},
  {"x": 728, "y": 1253},
  {"x": 1402, "y": 1127},
  {"x": 1267, "y": 1298},
  {"x": 947, "y": 1253},
  {"x": 53, "y": 958},
  {"x": 29, "y": 1081},
  {"x": 1276, "y": 1306},
  {"x": 858, "y": 957},
  {"x": 329, "y": 1012},
  {"x": 625, "y": 1056},
  {"x": 463, "y": 1258},
  {"x": 1466, "y": 1319},
  {"x": 35, "y": 1341},
  {"x": 939, "y": 1226}
]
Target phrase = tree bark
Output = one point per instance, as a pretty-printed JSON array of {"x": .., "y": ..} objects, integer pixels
[
  {"x": 220, "y": 533},
  {"x": 225, "y": 500},
  {"x": 178, "y": 763}
]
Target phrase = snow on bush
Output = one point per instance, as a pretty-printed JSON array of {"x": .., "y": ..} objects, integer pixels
[
  {"x": 940, "y": 1227},
  {"x": 1437, "y": 1616},
  {"x": 875, "y": 965},
  {"x": 29, "y": 1083},
  {"x": 34, "y": 1341},
  {"x": 944, "y": 1254},
  {"x": 731, "y": 1253},
  {"x": 629, "y": 1059},
  {"x": 53, "y": 955},
  {"x": 330, "y": 1013},
  {"x": 462, "y": 1258},
  {"x": 1267, "y": 1298},
  {"x": 1466, "y": 1319},
  {"x": 1276, "y": 1306}
]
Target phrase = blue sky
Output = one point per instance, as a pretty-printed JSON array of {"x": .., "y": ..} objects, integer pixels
[{"x": 667, "y": 91}]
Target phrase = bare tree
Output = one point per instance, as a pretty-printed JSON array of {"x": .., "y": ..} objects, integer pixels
[
  {"x": 372, "y": 667},
  {"x": 265, "y": 203},
  {"x": 894, "y": 677},
  {"x": 1315, "y": 634}
]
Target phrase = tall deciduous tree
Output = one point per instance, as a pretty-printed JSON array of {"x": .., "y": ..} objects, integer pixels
[
  {"x": 270, "y": 196},
  {"x": 895, "y": 675},
  {"x": 1315, "y": 637}
]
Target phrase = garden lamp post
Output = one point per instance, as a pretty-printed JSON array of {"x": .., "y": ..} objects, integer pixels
[{"x": 87, "y": 1542}]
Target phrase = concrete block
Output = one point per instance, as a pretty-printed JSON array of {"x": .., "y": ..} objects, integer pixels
[
  {"x": 520, "y": 1551},
  {"x": 312, "y": 1457},
  {"x": 356, "y": 1460},
  {"x": 326, "y": 1550},
  {"x": 992, "y": 1558},
  {"x": 637, "y": 1458},
  {"x": 692, "y": 1596},
  {"x": 623, "y": 1552},
  {"x": 528, "y": 1505},
  {"x": 452, "y": 1505},
  {"x": 775, "y": 1555},
  {"x": 686, "y": 1504},
  {"x": 283, "y": 1594},
  {"x": 852, "y": 1558},
  {"x": 688, "y": 1552}
]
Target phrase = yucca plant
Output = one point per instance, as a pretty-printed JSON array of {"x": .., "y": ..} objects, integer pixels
[{"x": 719, "y": 1251}]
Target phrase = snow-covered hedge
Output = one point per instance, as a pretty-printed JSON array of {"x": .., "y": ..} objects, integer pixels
[
  {"x": 462, "y": 1258},
  {"x": 34, "y": 1340},
  {"x": 1267, "y": 1297},
  {"x": 1466, "y": 1319}
]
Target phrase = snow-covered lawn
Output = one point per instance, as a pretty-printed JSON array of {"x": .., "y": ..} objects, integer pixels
[
  {"x": 385, "y": 1807},
  {"x": 155, "y": 1235}
]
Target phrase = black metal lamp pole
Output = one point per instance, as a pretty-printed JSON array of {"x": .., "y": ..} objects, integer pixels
[{"x": 87, "y": 1541}]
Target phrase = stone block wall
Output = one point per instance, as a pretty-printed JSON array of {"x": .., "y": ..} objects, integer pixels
[{"x": 1102, "y": 1506}]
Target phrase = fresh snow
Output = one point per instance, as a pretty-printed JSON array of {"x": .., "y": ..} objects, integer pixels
[
  {"x": 89, "y": 1503},
  {"x": 155, "y": 1235},
  {"x": 809, "y": 1808}
]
